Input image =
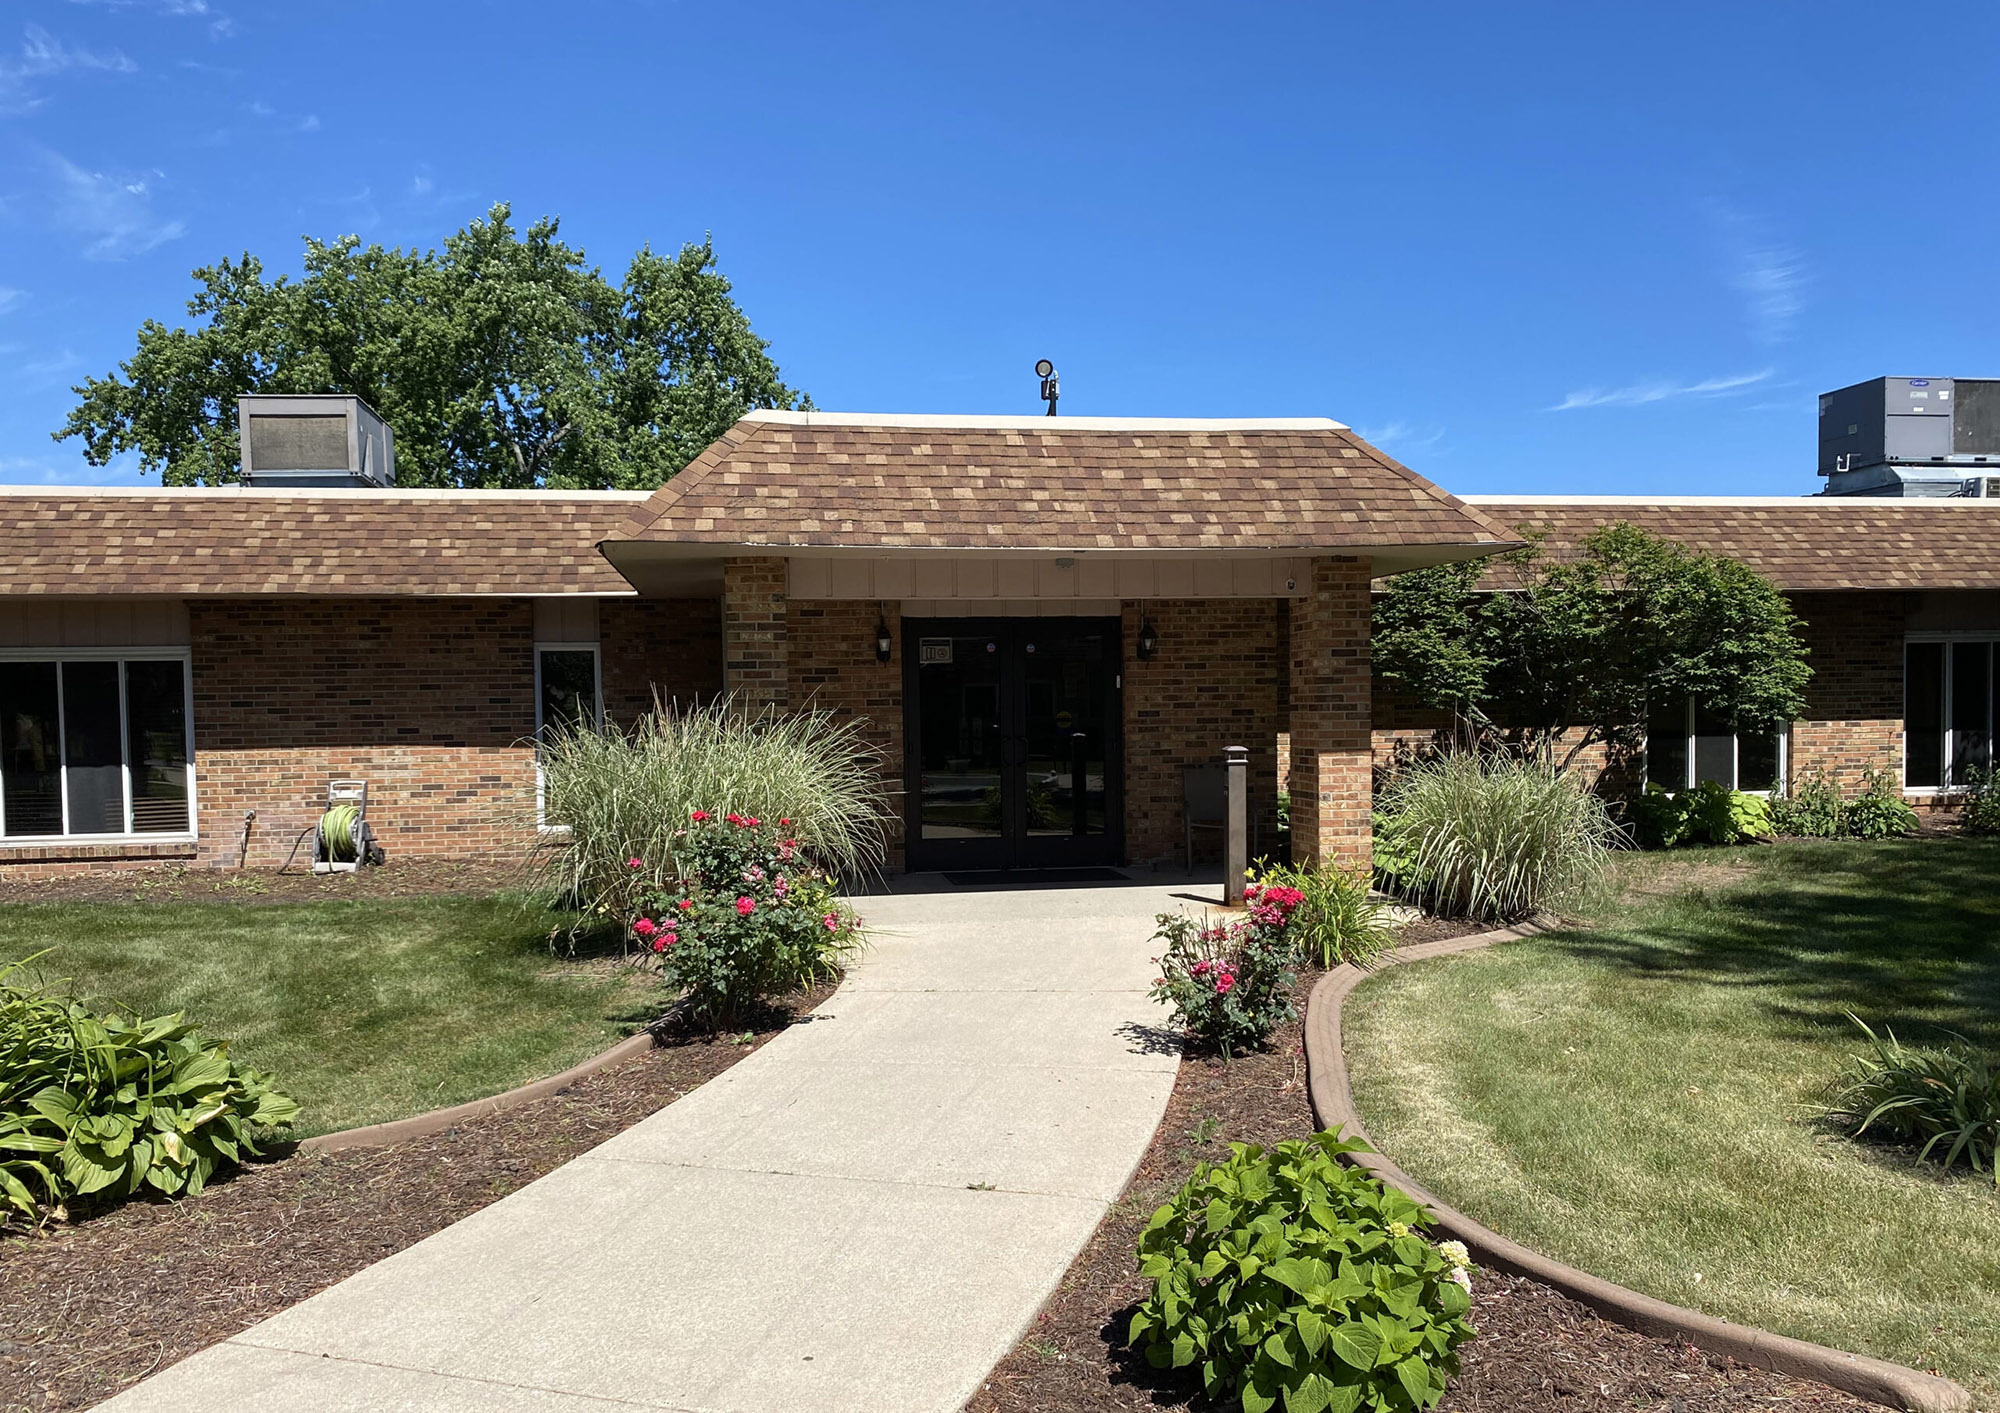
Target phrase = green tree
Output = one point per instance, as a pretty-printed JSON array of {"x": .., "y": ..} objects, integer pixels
[
  {"x": 1565, "y": 652},
  {"x": 502, "y": 360}
]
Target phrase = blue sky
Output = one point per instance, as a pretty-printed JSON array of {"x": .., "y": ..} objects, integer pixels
[{"x": 1564, "y": 248}]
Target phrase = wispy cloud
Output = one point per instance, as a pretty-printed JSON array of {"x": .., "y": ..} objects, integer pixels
[
  {"x": 43, "y": 56},
  {"x": 10, "y": 297},
  {"x": 1661, "y": 390},
  {"x": 283, "y": 122},
  {"x": 1770, "y": 274},
  {"x": 1401, "y": 436},
  {"x": 111, "y": 212},
  {"x": 219, "y": 25}
]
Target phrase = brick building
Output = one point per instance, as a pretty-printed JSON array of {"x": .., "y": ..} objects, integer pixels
[{"x": 1045, "y": 624}]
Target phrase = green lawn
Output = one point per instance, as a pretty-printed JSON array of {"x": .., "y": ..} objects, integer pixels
[
  {"x": 365, "y": 1010},
  {"x": 1635, "y": 1095}
]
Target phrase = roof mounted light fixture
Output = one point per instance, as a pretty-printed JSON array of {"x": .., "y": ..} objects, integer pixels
[{"x": 1051, "y": 383}]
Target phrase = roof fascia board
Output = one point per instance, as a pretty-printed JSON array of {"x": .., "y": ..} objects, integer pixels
[{"x": 1025, "y": 422}]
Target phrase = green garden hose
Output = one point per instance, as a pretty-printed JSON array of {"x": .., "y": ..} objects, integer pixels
[{"x": 336, "y": 832}]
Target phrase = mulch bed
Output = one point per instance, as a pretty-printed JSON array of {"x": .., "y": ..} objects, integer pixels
[
  {"x": 94, "y": 1307},
  {"x": 410, "y": 878},
  {"x": 1535, "y": 1351}
]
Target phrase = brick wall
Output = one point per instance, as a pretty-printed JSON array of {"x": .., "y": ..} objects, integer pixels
[
  {"x": 1214, "y": 682},
  {"x": 430, "y": 701},
  {"x": 672, "y": 647},
  {"x": 831, "y": 666},
  {"x": 754, "y": 632},
  {"x": 1331, "y": 712},
  {"x": 1854, "y": 703}
]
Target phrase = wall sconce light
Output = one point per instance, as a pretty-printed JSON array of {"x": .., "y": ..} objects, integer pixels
[
  {"x": 1149, "y": 639},
  {"x": 881, "y": 639}
]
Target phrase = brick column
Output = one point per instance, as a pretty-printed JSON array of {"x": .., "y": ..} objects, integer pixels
[
  {"x": 1332, "y": 756},
  {"x": 754, "y": 667}
]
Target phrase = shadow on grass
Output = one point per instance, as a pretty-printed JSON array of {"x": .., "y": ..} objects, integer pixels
[{"x": 1904, "y": 933}]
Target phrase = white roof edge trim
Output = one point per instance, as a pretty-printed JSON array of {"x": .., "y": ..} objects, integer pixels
[
  {"x": 1026, "y": 422},
  {"x": 389, "y": 493},
  {"x": 1878, "y": 502}
]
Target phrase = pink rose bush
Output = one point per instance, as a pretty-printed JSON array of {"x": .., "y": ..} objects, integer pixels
[
  {"x": 747, "y": 921},
  {"x": 1230, "y": 982}
]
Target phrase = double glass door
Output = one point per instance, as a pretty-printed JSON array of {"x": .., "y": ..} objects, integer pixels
[{"x": 1013, "y": 742}]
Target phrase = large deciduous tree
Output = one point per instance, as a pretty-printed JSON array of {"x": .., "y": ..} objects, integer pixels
[
  {"x": 1567, "y": 652},
  {"x": 502, "y": 360}
]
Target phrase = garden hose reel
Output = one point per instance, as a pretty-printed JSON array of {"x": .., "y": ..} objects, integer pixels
[{"x": 343, "y": 840}]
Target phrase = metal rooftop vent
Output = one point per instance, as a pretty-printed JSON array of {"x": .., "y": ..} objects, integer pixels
[
  {"x": 324, "y": 439},
  {"x": 1908, "y": 436}
]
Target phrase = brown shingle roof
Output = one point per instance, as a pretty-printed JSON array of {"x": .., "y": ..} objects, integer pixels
[
  {"x": 814, "y": 480},
  {"x": 236, "y": 541},
  {"x": 1802, "y": 543}
]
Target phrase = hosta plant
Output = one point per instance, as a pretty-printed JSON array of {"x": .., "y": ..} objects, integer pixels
[
  {"x": 1287, "y": 1280},
  {"x": 96, "y": 1106},
  {"x": 747, "y": 920}
]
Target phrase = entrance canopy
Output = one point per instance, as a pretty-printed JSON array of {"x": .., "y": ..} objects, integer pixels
[{"x": 1096, "y": 491}]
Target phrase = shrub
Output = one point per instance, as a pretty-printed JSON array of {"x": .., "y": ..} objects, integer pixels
[
  {"x": 626, "y": 795},
  {"x": 1812, "y": 810},
  {"x": 1230, "y": 983},
  {"x": 1879, "y": 811},
  {"x": 1982, "y": 801},
  {"x": 1659, "y": 820},
  {"x": 747, "y": 921},
  {"x": 1496, "y": 837},
  {"x": 1710, "y": 813},
  {"x": 1337, "y": 919},
  {"x": 1940, "y": 1098},
  {"x": 1288, "y": 1279},
  {"x": 99, "y": 1105},
  {"x": 1395, "y": 854}
]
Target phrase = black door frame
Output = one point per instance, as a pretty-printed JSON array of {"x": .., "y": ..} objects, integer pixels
[{"x": 1015, "y": 848}]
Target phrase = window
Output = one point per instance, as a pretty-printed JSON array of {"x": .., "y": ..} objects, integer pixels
[
  {"x": 95, "y": 745},
  {"x": 566, "y": 686},
  {"x": 1947, "y": 711},
  {"x": 567, "y": 693},
  {"x": 1688, "y": 744}
]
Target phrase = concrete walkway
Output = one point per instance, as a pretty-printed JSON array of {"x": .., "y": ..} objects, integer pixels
[{"x": 864, "y": 1215}]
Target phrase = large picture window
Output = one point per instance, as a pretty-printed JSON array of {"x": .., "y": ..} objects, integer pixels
[
  {"x": 1947, "y": 711},
  {"x": 94, "y": 745},
  {"x": 568, "y": 693},
  {"x": 1688, "y": 744}
]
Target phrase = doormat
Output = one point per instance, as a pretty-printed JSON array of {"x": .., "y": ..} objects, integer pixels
[{"x": 1032, "y": 877}]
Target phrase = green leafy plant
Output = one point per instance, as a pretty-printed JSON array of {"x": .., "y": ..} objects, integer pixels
[
  {"x": 1395, "y": 854},
  {"x": 623, "y": 795},
  {"x": 1338, "y": 919},
  {"x": 1230, "y": 983},
  {"x": 99, "y": 1105},
  {"x": 1496, "y": 837},
  {"x": 1659, "y": 820},
  {"x": 1717, "y": 814},
  {"x": 1286, "y": 1278},
  {"x": 1811, "y": 809},
  {"x": 1879, "y": 811},
  {"x": 747, "y": 921},
  {"x": 1982, "y": 801},
  {"x": 1944, "y": 1101}
]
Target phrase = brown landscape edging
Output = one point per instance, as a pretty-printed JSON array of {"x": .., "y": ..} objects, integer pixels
[
  {"x": 438, "y": 1120},
  {"x": 1876, "y": 1380}
]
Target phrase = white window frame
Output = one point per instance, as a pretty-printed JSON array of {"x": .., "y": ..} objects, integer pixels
[
  {"x": 121, "y": 656},
  {"x": 597, "y": 687},
  {"x": 1949, "y": 639},
  {"x": 1784, "y": 734}
]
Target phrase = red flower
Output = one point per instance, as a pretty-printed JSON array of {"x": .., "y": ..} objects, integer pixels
[
  {"x": 686, "y": 905},
  {"x": 660, "y": 943},
  {"x": 668, "y": 939},
  {"x": 751, "y": 822},
  {"x": 745, "y": 906},
  {"x": 699, "y": 816},
  {"x": 645, "y": 927},
  {"x": 635, "y": 863},
  {"x": 784, "y": 824}
]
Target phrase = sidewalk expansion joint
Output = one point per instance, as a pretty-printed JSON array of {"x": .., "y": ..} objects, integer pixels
[{"x": 418, "y": 1369}]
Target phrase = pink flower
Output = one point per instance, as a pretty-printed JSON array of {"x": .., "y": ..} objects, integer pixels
[
  {"x": 780, "y": 886},
  {"x": 668, "y": 939},
  {"x": 831, "y": 922},
  {"x": 645, "y": 927},
  {"x": 635, "y": 863},
  {"x": 686, "y": 905},
  {"x": 699, "y": 816},
  {"x": 660, "y": 943},
  {"x": 1224, "y": 981},
  {"x": 745, "y": 906}
]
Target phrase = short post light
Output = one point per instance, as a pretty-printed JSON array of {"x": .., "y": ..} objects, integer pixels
[{"x": 1236, "y": 835}]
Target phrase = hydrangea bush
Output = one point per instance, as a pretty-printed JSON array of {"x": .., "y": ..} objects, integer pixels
[
  {"x": 1230, "y": 983},
  {"x": 1287, "y": 1280},
  {"x": 747, "y": 921}
]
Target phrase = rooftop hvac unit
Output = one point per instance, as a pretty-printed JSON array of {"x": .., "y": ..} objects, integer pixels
[
  {"x": 313, "y": 441},
  {"x": 1981, "y": 488}
]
